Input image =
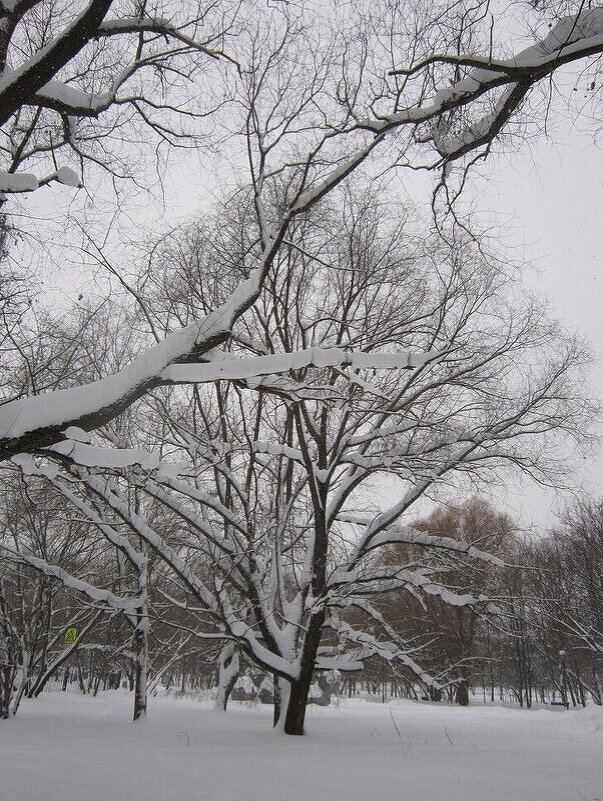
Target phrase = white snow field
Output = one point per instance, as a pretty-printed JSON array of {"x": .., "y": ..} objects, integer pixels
[{"x": 65, "y": 747}]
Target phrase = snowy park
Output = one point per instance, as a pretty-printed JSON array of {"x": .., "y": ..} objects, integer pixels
[
  {"x": 301, "y": 380},
  {"x": 67, "y": 749}
]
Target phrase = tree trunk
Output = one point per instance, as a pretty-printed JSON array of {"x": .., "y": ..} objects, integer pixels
[
  {"x": 140, "y": 674},
  {"x": 298, "y": 698},
  {"x": 141, "y": 636},
  {"x": 5, "y": 691},
  {"x": 228, "y": 671},
  {"x": 462, "y": 693}
]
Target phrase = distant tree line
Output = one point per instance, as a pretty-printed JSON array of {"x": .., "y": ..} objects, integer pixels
[{"x": 537, "y": 642}]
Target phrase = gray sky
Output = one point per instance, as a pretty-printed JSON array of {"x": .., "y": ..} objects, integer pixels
[{"x": 549, "y": 201}]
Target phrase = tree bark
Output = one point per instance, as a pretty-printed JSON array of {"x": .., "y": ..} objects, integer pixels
[
  {"x": 140, "y": 674},
  {"x": 298, "y": 698},
  {"x": 228, "y": 671},
  {"x": 462, "y": 693}
]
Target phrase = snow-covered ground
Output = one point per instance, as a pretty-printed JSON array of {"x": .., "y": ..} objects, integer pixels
[{"x": 66, "y": 747}]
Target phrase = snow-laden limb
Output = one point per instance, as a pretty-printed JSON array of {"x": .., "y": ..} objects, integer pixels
[
  {"x": 32, "y": 423},
  {"x": 155, "y": 541},
  {"x": 95, "y": 456},
  {"x": 387, "y": 518},
  {"x": 412, "y": 536},
  {"x": 218, "y": 536},
  {"x": 248, "y": 574},
  {"x": 308, "y": 197},
  {"x": 575, "y": 37},
  {"x": 405, "y": 650},
  {"x": 255, "y": 366},
  {"x": 34, "y": 81},
  {"x": 114, "y": 537},
  {"x": 576, "y": 33},
  {"x": 277, "y": 449},
  {"x": 84, "y": 455},
  {"x": 38, "y": 421},
  {"x": 377, "y": 580},
  {"x": 19, "y": 86},
  {"x": 246, "y": 636},
  {"x": 417, "y": 579},
  {"x": 343, "y": 663},
  {"x": 390, "y": 651},
  {"x": 69, "y": 99},
  {"x": 160, "y": 26},
  {"x": 68, "y": 177},
  {"x": 95, "y": 594},
  {"x": 588, "y": 634},
  {"x": 228, "y": 670},
  {"x": 18, "y": 182}
]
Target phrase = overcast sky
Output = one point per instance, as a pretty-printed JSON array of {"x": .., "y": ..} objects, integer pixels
[{"x": 549, "y": 201}]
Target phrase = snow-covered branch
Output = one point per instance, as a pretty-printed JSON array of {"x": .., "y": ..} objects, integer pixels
[
  {"x": 255, "y": 366},
  {"x": 412, "y": 536},
  {"x": 573, "y": 38},
  {"x": 95, "y": 594},
  {"x": 29, "y": 424}
]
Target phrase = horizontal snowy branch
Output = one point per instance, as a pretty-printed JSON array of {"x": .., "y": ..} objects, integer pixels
[
  {"x": 73, "y": 583},
  {"x": 386, "y": 650},
  {"x": 84, "y": 455},
  {"x": 17, "y": 182},
  {"x": 412, "y": 536},
  {"x": 272, "y": 364}
]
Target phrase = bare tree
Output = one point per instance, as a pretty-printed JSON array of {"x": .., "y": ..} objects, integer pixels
[
  {"x": 566, "y": 607},
  {"x": 276, "y": 539},
  {"x": 310, "y": 112},
  {"x": 44, "y": 538},
  {"x": 455, "y": 634}
]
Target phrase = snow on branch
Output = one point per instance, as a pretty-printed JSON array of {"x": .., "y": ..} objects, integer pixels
[
  {"x": 244, "y": 634},
  {"x": 160, "y": 26},
  {"x": 155, "y": 541},
  {"x": 391, "y": 577},
  {"x": 18, "y": 87},
  {"x": 92, "y": 592},
  {"x": 68, "y": 99},
  {"x": 412, "y": 536},
  {"x": 342, "y": 663},
  {"x": 577, "y": 33},
  {"x": 84, "y": 455},
  {"x": 276, "y": 449},
  {"x": 17, "y": 182},
  {"x": 34, "y": 81},
  {"x": 36, "y": 422},
  {"x": 389, "y": 651},
  {"x": 389, "y": 517},
  {"x": 31, "y": 423},
  {"x": 574, "y": 37},
  {"x": 136, "y": 558},
  {"x": 217, "y": 536},
  {"x": 272, "y": 364}
]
